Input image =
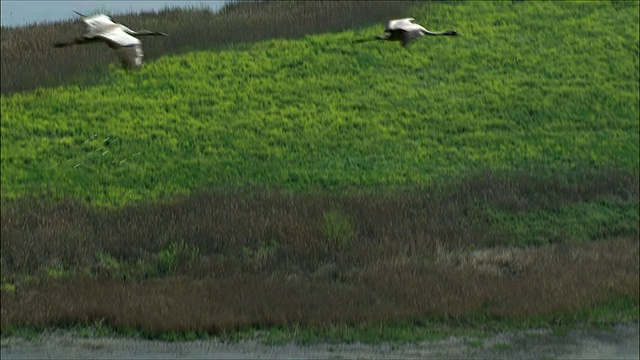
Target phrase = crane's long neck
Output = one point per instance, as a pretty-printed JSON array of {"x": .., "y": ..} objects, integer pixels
[
  {"x": 146, "y": 33},
  {"x": 449, "y": 32}
]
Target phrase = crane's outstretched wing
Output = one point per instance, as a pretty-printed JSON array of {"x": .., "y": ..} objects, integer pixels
[
  {"x": 117, "y": 37},
  {"x": 98, "y": 21},
  {"x": 76, "y": 41},
  {"x": 373, "y": 38},
  {"x": 409, "y": 36}
]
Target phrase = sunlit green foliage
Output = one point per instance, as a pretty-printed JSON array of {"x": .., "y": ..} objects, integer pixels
[{"x": 550, "y": 84}]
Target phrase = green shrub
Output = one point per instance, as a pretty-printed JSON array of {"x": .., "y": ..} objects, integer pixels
[
  {"x": 174, "y": 255},
  {"x": 264, "y": 251},
  {"x": 107, "y": 262},
  {"x": 337, "y": 228}
]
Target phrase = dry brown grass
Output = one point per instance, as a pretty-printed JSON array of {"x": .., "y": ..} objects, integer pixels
[
  {"x": 553, "y": 280},
  {"x": 266, "y": 258},
  {"x": 29, "y": 59},
  {"x": 368, "y": 225}
]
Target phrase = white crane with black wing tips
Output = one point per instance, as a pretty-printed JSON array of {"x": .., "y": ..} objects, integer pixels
[
  {"x": 406, "y": 31},
  {"x": 101, "y": 28}
]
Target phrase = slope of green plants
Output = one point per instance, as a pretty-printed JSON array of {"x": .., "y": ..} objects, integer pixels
[
  {"x": 552, "y": 85},
  {"x": 495, "y": 178}
]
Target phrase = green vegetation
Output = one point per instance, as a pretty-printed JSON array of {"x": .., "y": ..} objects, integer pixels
[
  {"x": 175, "y": 254},
  {"x": 314, "y": 188},
  {"x": 324, "y": 113},
  {"x": 336, "y": 228}
]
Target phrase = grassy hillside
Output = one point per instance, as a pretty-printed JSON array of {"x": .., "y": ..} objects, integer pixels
[
  {"x": 530, "y": 84},
  {"x": 488, "y": 179}
]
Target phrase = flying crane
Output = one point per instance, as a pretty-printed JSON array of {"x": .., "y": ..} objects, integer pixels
[
  {"x": 406, "y": 31},
  {"x": 101, "y": 28}
]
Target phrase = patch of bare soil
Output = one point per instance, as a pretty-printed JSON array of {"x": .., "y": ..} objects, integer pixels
[{"x": 621, "y": 342}]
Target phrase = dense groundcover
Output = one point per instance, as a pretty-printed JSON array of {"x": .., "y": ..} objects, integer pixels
[{"x": 314, "y": 181}]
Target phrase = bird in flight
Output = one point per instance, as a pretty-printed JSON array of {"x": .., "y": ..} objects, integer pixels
[
  {"x": 406, "y": 31},
  {"x": 101, "y": 28}
]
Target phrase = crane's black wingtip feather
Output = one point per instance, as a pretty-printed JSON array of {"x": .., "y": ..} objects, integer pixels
[{"x": 358, "y": 41}]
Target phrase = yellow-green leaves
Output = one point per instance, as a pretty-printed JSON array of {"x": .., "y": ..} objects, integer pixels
[{"x": 547, "y": 83}]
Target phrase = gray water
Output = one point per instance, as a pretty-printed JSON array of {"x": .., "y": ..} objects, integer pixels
[
  {"x": 620, "y": 342},
  {"x": 26, "y": 12}
]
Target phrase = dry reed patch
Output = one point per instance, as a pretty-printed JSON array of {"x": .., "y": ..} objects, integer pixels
[
  {"x": 511, "y": 282},
  {"x": 228, "y": 228},
  {"x": 554, "y": 280},
  {"x": 265, "y": 258},
  {"x": 618, "y": 254},
  {"x": 491, "y": 261},
  {"x": 270, "y": 232}
]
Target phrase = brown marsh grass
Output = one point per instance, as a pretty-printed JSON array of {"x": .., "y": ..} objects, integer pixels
[
  {"x": 29, "y": 60},
  {"x": 265, "y": 258},
  {"x": 559, "y": 279}
]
